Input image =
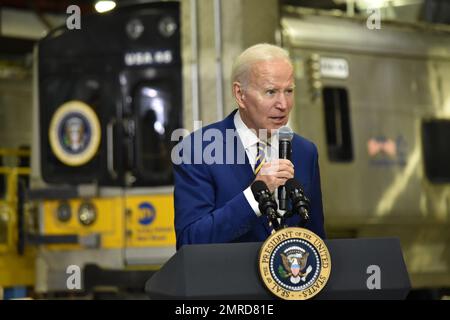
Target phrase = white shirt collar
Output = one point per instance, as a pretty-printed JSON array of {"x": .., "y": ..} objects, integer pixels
[{"x": 247, "y": 136}]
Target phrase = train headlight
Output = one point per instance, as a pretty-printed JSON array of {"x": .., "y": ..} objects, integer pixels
[
  {"x": 167, "y": 26},
  {"x": 63, "y": 212},
  {"x": 87, "y": 214}
]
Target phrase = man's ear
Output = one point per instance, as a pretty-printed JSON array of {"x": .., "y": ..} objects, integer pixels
[{"x": 239, "y": 94}]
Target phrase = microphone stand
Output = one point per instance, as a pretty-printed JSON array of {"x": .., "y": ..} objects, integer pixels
[
  {"x": 300, "y": 204},
  {"x": 266, "y": 203}
]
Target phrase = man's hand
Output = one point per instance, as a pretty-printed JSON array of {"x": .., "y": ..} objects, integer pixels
[{"x": 275, "y": 173}]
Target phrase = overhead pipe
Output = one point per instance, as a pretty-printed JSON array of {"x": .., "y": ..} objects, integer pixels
[
  {"x": 218, "y": 50},
  {"x": 194, "y": 63}
]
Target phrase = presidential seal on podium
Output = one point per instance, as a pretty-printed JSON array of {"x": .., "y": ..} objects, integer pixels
[{"x": 294, "y": 264}]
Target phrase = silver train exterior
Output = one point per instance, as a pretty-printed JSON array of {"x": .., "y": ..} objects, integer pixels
[{"x": 377, "y": 105}]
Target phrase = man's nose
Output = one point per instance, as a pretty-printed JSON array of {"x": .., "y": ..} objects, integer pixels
[{"x": 282, "y": 102}]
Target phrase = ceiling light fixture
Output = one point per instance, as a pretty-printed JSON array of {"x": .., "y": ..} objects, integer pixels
[{"x": 104, "y": 6}]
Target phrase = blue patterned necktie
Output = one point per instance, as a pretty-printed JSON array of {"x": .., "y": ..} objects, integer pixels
[{"x": 260, "y": 156}]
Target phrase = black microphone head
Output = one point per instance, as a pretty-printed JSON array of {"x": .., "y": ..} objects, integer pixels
[
  {"x": 292, "y": 184},
  {"x": 258, "y": 186},
  {"x": 285, "y": 133}
]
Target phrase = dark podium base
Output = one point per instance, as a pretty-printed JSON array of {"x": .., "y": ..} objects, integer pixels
[{"x": 230, "y": 271}]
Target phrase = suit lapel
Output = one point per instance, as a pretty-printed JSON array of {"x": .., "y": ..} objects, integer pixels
[{"x": 243, "y": 173}]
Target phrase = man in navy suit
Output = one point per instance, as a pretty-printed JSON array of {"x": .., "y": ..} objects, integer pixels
[{"x": 217, "y": 164}]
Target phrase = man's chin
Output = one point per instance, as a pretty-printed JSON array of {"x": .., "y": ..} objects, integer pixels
[{"x": 277, "y": 125}]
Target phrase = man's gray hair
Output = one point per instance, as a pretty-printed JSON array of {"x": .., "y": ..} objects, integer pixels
[{"x": 259, "y": 52}]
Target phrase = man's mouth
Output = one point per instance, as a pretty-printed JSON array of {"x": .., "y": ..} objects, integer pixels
[{"x": 278, "y": 119}]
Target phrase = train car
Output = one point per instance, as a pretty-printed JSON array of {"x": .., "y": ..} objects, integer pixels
[
  {"x": 375, "y": 101},
  {"x": 377, "y": 104},
  {"x": 107, "y": 97}
]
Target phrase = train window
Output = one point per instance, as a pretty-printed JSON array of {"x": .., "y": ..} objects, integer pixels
[
  {"x": 436, "y": 149},
  {"x": 153, "y": 111},
  {"x": 337, "y": 124}
]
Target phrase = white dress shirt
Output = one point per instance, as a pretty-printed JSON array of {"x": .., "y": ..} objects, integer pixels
[{"x": 249, "y": 141}]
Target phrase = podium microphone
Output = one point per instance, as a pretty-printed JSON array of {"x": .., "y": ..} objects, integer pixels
[
  {"x": 267, "y": 204},
  {"x": 285, "y": 136},
  {"x": 300, "y": 203}
]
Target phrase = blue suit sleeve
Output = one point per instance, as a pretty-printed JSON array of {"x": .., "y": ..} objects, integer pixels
[{"x": 197, "y": 219}]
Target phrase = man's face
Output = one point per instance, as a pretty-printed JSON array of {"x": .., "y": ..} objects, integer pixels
[{"x": 269, "y": 96}]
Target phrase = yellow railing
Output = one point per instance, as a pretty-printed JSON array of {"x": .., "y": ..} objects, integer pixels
[
  {"x": 15, "y": 152},
  {"x": 9, "y": 201},
  {"x": 15, "y": 269}
]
